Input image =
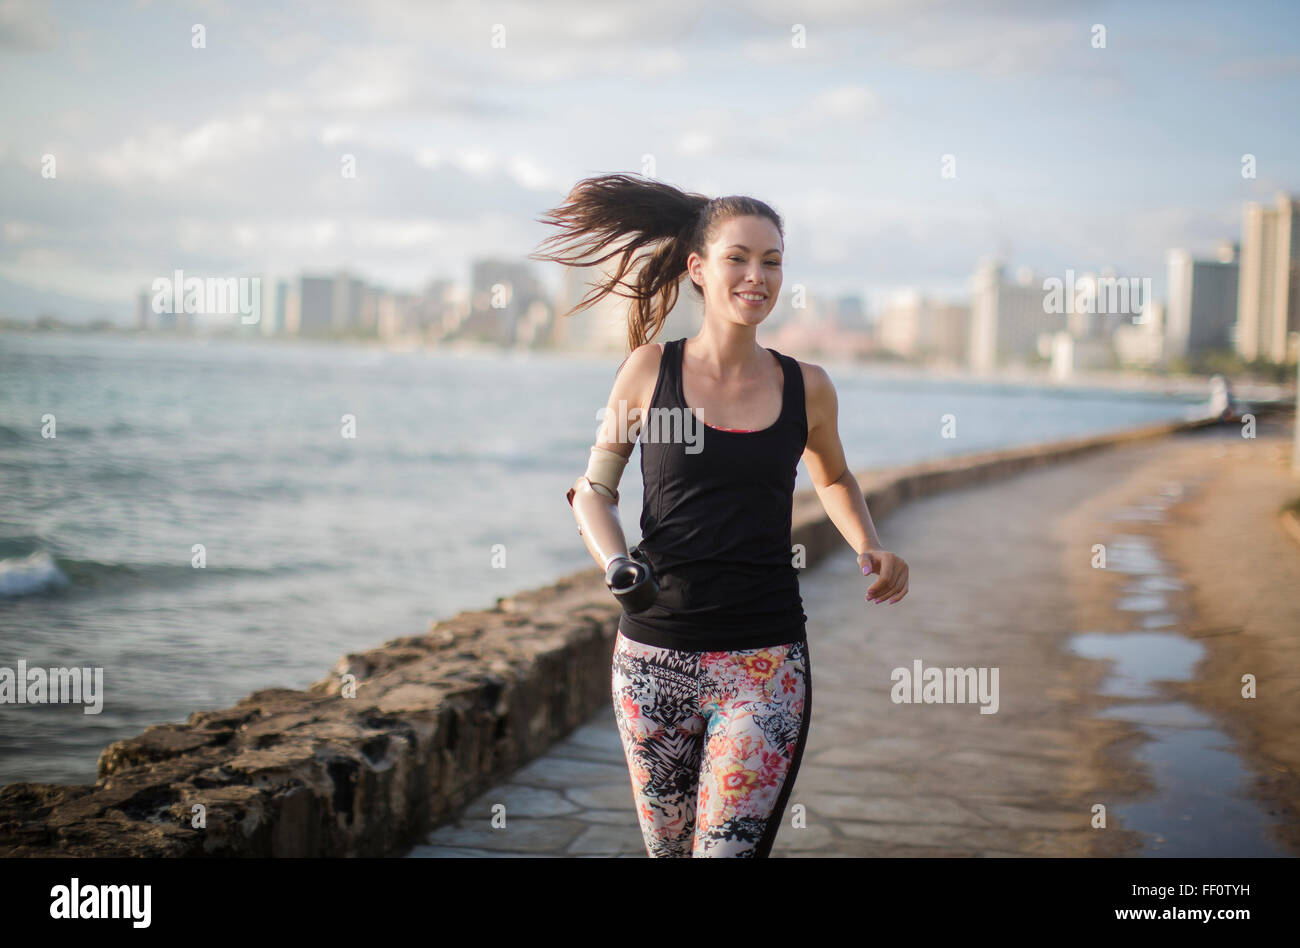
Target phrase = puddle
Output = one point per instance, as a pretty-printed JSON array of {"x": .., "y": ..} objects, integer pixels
[
  {"x": 1148, "y": 603},
  {"x": 1155, "y": 583},
  {"x": 1133, "y": 554},
  {"x": 1200, "y": 806},
  {"x": 1140, "y": 659},
  {"x": 1158, "y": 621}
]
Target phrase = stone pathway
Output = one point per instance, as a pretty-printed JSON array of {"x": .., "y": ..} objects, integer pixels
[{"x": 990, "y": 587}]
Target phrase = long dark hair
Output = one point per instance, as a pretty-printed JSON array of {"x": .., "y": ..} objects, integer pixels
[{"x": 601, "y": 210}]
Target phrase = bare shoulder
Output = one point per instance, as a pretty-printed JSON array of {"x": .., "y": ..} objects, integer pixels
[
  {"x": 819, "y": 393},
  {"x": 640, "y": 367},
  {"x": 634, "y": 387}
]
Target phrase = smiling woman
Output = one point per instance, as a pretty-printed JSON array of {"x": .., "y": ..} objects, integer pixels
[{"x": 711, "y": 674}]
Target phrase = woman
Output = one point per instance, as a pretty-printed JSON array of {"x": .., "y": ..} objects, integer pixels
[{"x": 711, "y": 673}]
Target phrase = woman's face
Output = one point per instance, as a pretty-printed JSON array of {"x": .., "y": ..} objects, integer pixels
[{"x": 742, "y": 275}]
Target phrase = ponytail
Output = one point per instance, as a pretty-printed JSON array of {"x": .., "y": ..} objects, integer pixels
[{"x": 633, "y": 213}]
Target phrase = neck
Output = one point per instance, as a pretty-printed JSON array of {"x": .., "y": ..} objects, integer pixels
[{"x": 728, "y": 351}]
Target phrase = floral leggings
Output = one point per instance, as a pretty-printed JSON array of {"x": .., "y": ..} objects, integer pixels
[{"x": 713, "y": 742}]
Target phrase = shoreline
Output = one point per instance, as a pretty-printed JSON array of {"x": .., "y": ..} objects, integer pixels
[
  {"x": 433, "y": 720},
  {"x": 1123, "y": 381},
  {"x": 1218, "y": 511}
]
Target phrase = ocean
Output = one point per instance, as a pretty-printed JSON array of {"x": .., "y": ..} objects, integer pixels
[{"x": 167, "y": 452}]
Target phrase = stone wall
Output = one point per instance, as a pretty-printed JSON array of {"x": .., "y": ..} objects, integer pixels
[{"x": 435, "y": 720}]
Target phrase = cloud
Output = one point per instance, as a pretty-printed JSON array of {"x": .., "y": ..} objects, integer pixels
[
  {"x": 165, "y": 154},
  {"x": 234, "y": 162},
  {"x": 991, "y": 48},
  {"x": 237, "y": 193},
  {"x": 25, "y": 25},
  {"x": 846, "y": 103}
]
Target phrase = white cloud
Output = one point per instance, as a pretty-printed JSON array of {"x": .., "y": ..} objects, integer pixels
[
  {"x": 26, "y": 25},
  {"x": 992, "y": 47},
  {"x": 697, "y": 142},
  {"x": 530, "y": 174},
  {"x": 459, "y": 145},
  {"x": 334, "y": 134},
  {"x": 164, "y": 153},
  {"x": 476, "y": 161},
  {"x": 844, "y": 104}
]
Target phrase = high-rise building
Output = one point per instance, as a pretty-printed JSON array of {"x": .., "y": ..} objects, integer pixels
[
  {"x": 1142, "y": 343},
  {"x": 851, "y": 313},
  {"x": 293, "y": 309},
  {"x": 1098, "y": 304},
  {"x": 444, "y": 308},
  {"x": 348, "y": 299},
  {"x": 1202, "y": 305},
  {"x": 332, "y": 304},
  {"x": 144, "y": 310},
  {"x": 279, "y": 314},
  {"x": 601, "y": 327},
  {"x": 501, "y": 292},
  {"x": 397, "y": 316},
  {"x": 1268, "y": 295},
  {"x": 315, "y": 305},
  {"x": 916, "y": 327},
  {"x": 1006, "y": 317},
  {"x": 368, "y": 321}
]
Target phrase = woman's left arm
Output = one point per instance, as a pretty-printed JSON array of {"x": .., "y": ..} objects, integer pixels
[{"x": 840, "y": 493}]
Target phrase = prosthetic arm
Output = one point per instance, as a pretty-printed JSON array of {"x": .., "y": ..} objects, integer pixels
[{"x": 594, "y": 499}]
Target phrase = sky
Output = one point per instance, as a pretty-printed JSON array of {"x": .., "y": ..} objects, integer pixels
[{"x": 468, "y": 120}]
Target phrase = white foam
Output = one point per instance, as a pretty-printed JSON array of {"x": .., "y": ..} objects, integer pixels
[{"x": 20, "y": 576}]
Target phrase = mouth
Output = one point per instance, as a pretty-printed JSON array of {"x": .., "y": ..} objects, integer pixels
[{"x": 752, "y": 299}]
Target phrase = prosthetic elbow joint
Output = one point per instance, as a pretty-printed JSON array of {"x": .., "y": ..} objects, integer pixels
[{"x": 604, "y": 471}]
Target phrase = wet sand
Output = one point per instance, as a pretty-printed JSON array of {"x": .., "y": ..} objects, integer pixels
[{"x": 1239, "y": 602}]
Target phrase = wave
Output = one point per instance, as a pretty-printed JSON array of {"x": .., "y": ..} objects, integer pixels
[
  {"x": 29, "y": 574},
  {"x": 42, "y": 573}
]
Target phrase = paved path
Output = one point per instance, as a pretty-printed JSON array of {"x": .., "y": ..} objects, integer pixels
[{"x": 993, "y": 584}]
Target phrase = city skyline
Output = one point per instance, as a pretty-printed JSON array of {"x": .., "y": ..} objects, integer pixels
[
  {"x": 1110, "y": 320},
  {"x": 237, "y": 164}
]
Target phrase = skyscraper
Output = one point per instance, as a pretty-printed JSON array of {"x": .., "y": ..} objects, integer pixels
[
  {"x": 916, "y": 327},
  {"x": 1268, "y": 296},
  {"x": 144, "y": 311},
  {"x": 315, "y": 305},
  {"x": 279, "y": 326},
  {"x": 1006, "y": 317},
  {"x": 1202, "y": 303},
  {"x": 601, "y": 327},
  {"x": 501, "y": 292}
]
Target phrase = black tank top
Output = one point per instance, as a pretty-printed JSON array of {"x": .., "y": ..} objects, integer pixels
[{"x": 715, "y": 523}]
